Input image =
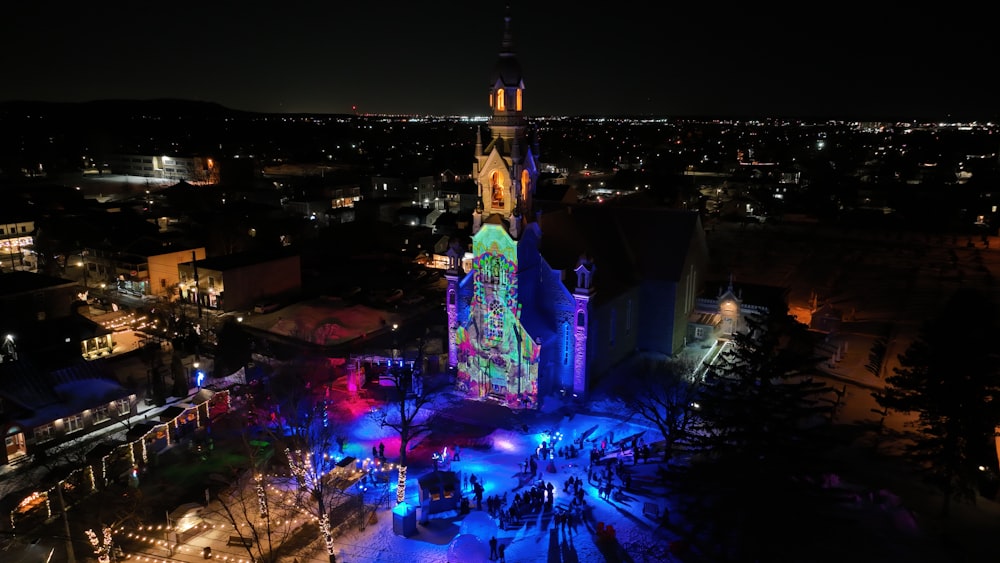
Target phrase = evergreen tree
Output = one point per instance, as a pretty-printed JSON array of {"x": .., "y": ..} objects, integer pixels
[
  {"x": 950, "y": 377},
  {"x": 758, "y": 401},
  {"x": 759, "y": 432},
  {"x": 233, "y": 349}
]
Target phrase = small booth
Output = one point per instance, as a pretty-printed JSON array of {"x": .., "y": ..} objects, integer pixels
[
  {"x": 148, "y": 440},
  {"x": 439, "y": 492},
  {"x": 183, "y": 420},
  {"x": 404, "y": 519}
]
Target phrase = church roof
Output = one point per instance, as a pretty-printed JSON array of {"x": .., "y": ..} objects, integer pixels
[
  {"x": 626, "y": 243},
  {"x": 507, "y": 70}
]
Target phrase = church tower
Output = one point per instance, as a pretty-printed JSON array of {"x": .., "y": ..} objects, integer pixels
[
  {"x": 582, "y": 294},
  {"x": 506, "y": 167}
]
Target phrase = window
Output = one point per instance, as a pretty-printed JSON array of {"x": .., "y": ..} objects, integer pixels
[
  {"x": 44, "y": 432},
  {"x": 501, "y": 104},
  {"x": 74, "y": 423},
  {"x": 567, "y": 344},
  {"x": 211, "y": 282},
  {"x": 699, "y": 332},
  {"x": 496, "y": 189},
  {"x": 581, "y": 319},
  {"x": 518, "y": 100},
  {"x": 1, "y": 231},
  {"x": 123, "y": 407},
  {"x": 24, "y": 229},
  {"x": 102, "y": 413},
  {"x": 451, "y": 297}
]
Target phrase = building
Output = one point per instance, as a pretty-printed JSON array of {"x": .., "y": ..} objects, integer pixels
[
  {"x": 40, "y": 408},
  {"x": 143, "y": 266},
  {"x": 194, "y": 169},
  {"x": 532, "y": 315},
  {"x": 27, "y": 297},
  {"x": 16, "y": 240},
  {"x": 237, "y": 282}
]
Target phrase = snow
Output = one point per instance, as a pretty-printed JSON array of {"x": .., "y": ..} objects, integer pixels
[{"x": 449, "y": 537}]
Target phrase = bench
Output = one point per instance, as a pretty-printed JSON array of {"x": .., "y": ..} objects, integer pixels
[
  {"x": 651, "y": 510},
  {"x": 240, "y": 540}
]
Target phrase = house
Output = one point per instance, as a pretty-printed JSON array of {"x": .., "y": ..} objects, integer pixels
[{"x": 41, "y": 408}]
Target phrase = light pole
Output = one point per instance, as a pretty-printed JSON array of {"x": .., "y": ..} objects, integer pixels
[{"x": 70, "y": 554}]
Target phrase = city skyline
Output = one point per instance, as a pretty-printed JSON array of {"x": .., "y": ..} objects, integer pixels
[{"x": 423, "y": 60}]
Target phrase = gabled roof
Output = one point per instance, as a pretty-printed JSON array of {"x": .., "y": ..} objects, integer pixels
[
  {"x": 18, "y": 282},
  {"x": 627, "y": 244},
  {"x": 45, "y": 396}
]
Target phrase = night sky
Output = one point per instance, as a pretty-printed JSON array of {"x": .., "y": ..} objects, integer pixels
[{"x": 578, "y": 58}]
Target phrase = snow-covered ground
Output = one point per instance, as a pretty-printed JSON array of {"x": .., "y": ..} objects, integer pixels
[{"x": 499, "y": 468}]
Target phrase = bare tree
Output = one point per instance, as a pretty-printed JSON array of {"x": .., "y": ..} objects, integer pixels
[
  {"x": 262, "y": 518},
  {"x": 314, "y": 480},
  {"x": 407, "y": 409},
  {"x": 663, "y": 394}
]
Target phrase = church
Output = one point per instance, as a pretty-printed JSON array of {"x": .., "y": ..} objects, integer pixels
[{"x": 538, "y": 315}]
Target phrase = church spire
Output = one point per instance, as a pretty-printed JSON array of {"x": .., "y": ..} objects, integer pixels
[{"x": 507, "y": 45}]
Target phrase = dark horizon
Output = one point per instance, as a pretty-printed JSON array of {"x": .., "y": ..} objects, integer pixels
[
  {"x": 165, "y": 104},
  {"x": 437, "y": 60}
]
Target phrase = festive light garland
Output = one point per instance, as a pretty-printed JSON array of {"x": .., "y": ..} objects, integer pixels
[
  {"x": 324, "y": 524},
  {"x": 102, "y": 550},
  {"x": 401, "y": 484},
  {"x": 132, "y": 462},
  {"x": 261, "y": 495}
]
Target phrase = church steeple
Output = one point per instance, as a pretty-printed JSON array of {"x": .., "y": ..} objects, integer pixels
[{"x": 507, "y": 166}]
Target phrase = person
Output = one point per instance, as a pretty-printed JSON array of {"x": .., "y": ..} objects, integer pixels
[
  {"x": 500, "y": 550},
  {"x": 381, "y": 450},
  {"x": 457, "y": 456},
  {"x": 493, "y": 548},
  {"x": 374, "y": 453}
]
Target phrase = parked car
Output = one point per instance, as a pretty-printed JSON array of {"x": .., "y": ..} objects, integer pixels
[{"x": 266, "y": 307}]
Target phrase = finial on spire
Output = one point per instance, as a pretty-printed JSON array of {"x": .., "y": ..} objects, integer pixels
[{"x": 508, "y": 42}]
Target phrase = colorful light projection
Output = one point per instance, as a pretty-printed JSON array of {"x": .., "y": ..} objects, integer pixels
[{"x": 496, "y": 355}]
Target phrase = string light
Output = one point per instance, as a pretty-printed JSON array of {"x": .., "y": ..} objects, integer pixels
[
  {"x": 89, "y": 474},
  {"x": 102, "y": 550},
  {"x": 401, "y": 484}
]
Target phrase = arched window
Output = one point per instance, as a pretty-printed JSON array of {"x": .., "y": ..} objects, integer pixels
[
  {"x": 581, "y": 319},
  {"x": 501, "y": 103},
  {"x": 451, "y": 297},
  {"x": 496, "y": 189},
  {"x": 518, "y": 99},
  {"x": 525, "y": 183}
]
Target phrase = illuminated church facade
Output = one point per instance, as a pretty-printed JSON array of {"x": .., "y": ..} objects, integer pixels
[{"x": 527, "y": 320}]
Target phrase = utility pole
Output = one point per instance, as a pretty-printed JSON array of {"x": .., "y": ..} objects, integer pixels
[
  {"x": 70, "y": 555},
  {"x": 197, "y": 288}
]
